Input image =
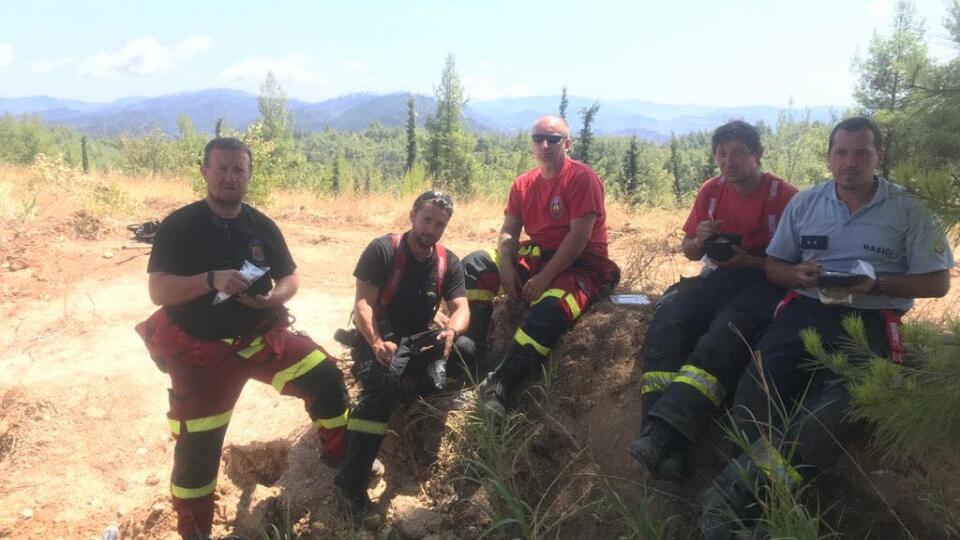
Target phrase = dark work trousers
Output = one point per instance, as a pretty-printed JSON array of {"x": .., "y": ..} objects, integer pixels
[
  {"x": 380, "y": 391},
  {"x": 814, "y": 434},
  {"x": 692, "y": 356},
  {"x": 572, "y": 292}
]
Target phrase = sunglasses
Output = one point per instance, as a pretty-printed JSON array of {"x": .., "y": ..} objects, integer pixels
[
  {"x": 439, "y": 198},
  {"x": 552, "y": 139}
]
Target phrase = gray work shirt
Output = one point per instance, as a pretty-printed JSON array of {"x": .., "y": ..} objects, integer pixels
[{"x": 894, "y": 232}]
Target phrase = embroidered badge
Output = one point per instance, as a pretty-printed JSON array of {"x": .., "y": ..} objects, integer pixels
[
  {"x": 556, "y": 207},
  {"x": 257, "y": 255},
  {"x": 939, "y": 248}
]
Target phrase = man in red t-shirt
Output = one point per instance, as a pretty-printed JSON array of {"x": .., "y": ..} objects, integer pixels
[
  {"x": 692, "y": 358},
  {"x": 559, "y": 272}
]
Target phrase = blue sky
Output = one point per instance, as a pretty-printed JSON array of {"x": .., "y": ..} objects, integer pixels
[{"x": 675, "y": 51}]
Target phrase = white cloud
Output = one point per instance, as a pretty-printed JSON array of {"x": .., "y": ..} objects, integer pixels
[
  {"x": 293, "y": 67},
  {"x": 356, "y": 66},
  {"x": 481, "y": 87},
  {"x": 6, "y": 54},
  {"x": 44, "y": 67},
  {"x": 144, "y": 56}
]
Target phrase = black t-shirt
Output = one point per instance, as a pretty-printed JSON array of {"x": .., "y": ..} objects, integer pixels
[
  {"x": 412, "y": 307},
  {"x": 194, "y": 240}
]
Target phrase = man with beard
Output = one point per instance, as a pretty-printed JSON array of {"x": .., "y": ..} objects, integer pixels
[
  {"x": 856, "y": 221},
  {"x": 697, "y": 343},
  {"x": 219, "y": 327},
  {"x": 558, "y": 273},
  {"x": 401, "y": 281}
]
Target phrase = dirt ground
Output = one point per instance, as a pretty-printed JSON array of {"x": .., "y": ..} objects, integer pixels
[{"x": 83, "y": 438}]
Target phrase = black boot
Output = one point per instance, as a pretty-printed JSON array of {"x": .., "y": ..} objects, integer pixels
[
  {"x": 495, "y": 391},
  {"x": 480, "y": 315},
  {"x": 660, "y": 448},
  {"x": 730, "y": 505}
]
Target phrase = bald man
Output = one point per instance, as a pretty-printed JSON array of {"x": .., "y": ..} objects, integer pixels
[{"x": 559, "y": 272}]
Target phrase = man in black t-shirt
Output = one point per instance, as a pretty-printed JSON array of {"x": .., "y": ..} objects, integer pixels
[
  {"x": 211, "y": 350},
  {"x": 401, "y": 280}
]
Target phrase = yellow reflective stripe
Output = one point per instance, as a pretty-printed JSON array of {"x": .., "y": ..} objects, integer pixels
[
  {"x": 774, "y": 465},
  {"x": 703, "y": 381},
  {"x": 657, "y": 381},
  {"x": 306, "y": 364},
  {"x": 228, "y": 340},
  {"x": 174, "y": 426},
  {"x": 522, "y": 338},
  {"x": 494, "y": 256},
  {"x": 482, "y": 295},
  {"x": 330, "y": 423},
  {"x": 253, "y": 348},
  {"x": 565, "y": 296},
  {"x": 366, "y": 426},
  {"x": 529, "y": 249},
  {"x": 208, "y": 423},
  {"x": 193, "y": 493}
]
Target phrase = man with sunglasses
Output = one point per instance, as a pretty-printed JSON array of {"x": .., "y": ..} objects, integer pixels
[
  {"x": 401, "y": 281},
  {"x": 559, "y": 272},
  {"x": 696, "y": 344},
  {"x": 219, "y": 327}
]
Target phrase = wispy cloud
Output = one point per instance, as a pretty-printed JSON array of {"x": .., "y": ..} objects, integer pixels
[
  {"x": 144, "y": 56},
  {"x": 6, "y": 54},
  {"x": 293, "y": 67},
  {"x": 44, "y": 67}
]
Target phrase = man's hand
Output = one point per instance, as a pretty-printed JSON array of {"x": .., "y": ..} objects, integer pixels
[
  {"x": 740, "y": 258},
  {"x": 706, "y": 229},
  {"x": 534, "y": 287},
  {"x": 260, "y": 301},
  {"x": 384, "y": 351},
  {"x": 447, "y": 336},
  {"x": 864, "y": 286},
  {"x": 806, "y": 273},
  {"x": 230, "y": 282},
  {"x": 510, "y": 281}
]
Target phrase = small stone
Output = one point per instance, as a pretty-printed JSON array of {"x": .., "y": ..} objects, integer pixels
[
  {"x": 141, "y": 451},
  {"x": 108, "y": 254},
  {"x": 27, "y": 513},
  {"x": 152, "y": 480}
]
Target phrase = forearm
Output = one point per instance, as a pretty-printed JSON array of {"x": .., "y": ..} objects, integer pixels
[
  {"x": 932, "y": 285},
  {"x": 782, "y": 273},
  {"x": 364, "y": 319},
  {"x": 753, "y": 261},
  {"x": 570, "y": 248},
  {"x": 459, "y": 320},
  {"x": 507, "y": 246},
  {"x": 173, "y": 290},
  {"x": 691, "y": 249},
  {"x": 286, "y": 288}
]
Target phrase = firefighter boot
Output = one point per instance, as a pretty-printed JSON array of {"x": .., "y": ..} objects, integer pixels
[
  {"x": 660, "y": 449},
  {"x": 729, "y": 506},
  {"x": 480, "y": 315},
  {"x": 519, "y": 362}
]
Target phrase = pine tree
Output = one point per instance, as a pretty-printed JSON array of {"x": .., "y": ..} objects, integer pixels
[
  {"x": 581, "y": 151},
  {"x": 85, "y": 160},
  {"x": 674, "y": 166},
  {"x": 218, "y": 128},
  {"x": 630, "y": 169},
  {"x": 449, "y": 154},
  {"x": 411, "y": 134},
  {"x": 563, "y": 103}
]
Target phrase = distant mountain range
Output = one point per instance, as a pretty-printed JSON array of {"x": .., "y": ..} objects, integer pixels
[{"x": 355, "y": 112}]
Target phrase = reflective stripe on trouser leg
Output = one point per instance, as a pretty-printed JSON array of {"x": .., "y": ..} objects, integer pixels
[
  {"x": 196, "y": 461},
  {"x": 656, "y": 381},
  {"x": 703, "y": 382},
  {"x": 773, "y": 464},
  {"x": 481, "y": 272}
]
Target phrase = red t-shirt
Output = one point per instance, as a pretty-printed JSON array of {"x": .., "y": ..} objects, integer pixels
[
  {"x": 754, "y": 216},
  {"x": 545, "y": 207}
]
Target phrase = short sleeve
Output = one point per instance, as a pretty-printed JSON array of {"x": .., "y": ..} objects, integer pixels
[
  {"x": 453, "y": 282},
  {"x": 281, "y": 261},
  {"x": 699, "y": 211},
  {"x": 585, "y": 195},
  {"x": 927, "y": 247},
  {"x": 372, "y": 266},
  {"x": 514, "y": 201},
  {"x": 785, "y": 244},
  {"x": 163, "y": 255}
]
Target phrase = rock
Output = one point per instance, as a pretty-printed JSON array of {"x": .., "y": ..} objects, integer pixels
[
  {"x": 108, "y": 254},
  {"x": 418, "y": 522},
  {"x": 265, "y": 507},
  {"x": 26, "y": 513},
  {"x": 152, "y": 480}
]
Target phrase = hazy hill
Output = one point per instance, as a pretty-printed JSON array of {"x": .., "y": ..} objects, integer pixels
[{"x": 355, "y": 112}]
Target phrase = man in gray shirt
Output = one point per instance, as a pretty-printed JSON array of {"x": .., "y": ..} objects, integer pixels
[{"x": 856, "y": 220}]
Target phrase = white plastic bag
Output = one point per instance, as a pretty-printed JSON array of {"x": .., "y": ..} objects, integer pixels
[{"x": 249, "y": 271}]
